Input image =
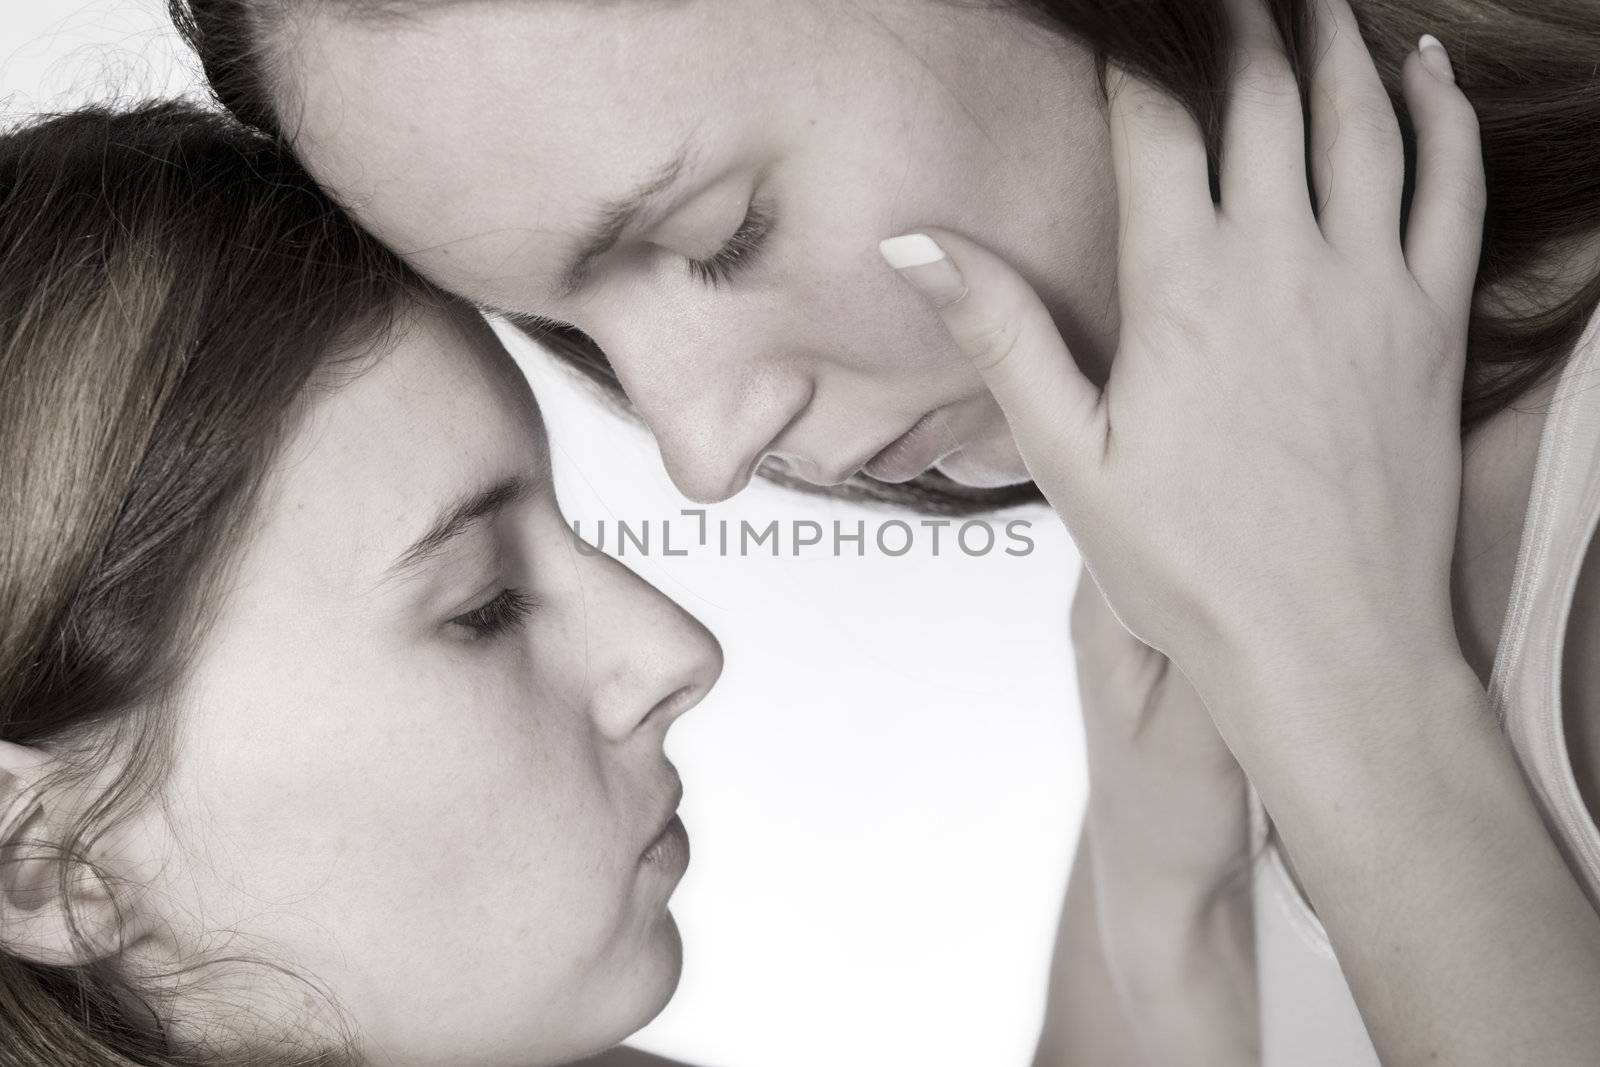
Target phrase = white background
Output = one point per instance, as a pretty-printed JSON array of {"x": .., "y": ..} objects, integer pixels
[{"x": 885, "y": 788}]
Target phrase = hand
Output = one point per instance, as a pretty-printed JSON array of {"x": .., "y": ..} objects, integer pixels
[
  {"x": 1168, "y": 828},
  {"x": 1275, "y": 458}
]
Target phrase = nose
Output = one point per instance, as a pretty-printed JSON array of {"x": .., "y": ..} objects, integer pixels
[
  {"x": 649, "y": 659},
  {"x": 714, "y": 404}
]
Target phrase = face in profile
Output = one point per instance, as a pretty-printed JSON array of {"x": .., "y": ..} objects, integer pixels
[
  {"x": 701, "y": 188},
  {"x": 420, "y": 757}
]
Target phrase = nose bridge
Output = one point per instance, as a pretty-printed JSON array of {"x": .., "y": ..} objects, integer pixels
[
  {"x": 649, "y": 660},
  {"x": 713, "y": 400}
]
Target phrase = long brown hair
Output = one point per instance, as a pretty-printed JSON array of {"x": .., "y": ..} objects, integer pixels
[
  {"x": 171, "y": 284},
  {"x": 1527, "y": 65}
]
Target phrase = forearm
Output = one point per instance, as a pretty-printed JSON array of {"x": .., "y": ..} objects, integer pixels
[
  {"x": 1464, "y": 937},
  {"x": 1178, "y": 940},
  {"x": 1167, "y": 970},
  {"x": 1085, "y": 1021}
]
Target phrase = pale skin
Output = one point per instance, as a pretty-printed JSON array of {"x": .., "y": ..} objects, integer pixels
[
  {"x": 1329, "y": 661},
  {"x": 384, "y": 767},
  {"x": 1045, "y": 350}
]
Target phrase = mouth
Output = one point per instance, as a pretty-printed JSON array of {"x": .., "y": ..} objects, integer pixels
[
  {"x": 669, "y": 849},
  {"x": 913, "y": 452},
  {"x": 669, "y": 852}
]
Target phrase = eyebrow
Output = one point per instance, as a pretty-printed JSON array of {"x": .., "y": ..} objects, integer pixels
[
  {"x": 613, "y": 220},
  {"x": 459, "y": 517}
]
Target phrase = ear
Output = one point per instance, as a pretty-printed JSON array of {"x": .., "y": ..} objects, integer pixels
[{"x": 44, "y": 892}]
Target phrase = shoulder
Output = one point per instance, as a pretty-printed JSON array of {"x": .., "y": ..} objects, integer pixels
[{"x": 1580, "y": 685}]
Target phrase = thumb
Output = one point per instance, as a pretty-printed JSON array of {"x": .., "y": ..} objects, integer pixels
[{"x": 999, "y": 322}]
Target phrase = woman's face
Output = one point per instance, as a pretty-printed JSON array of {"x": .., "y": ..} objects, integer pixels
[
  {"x": 421, "y": 758},
  {"x": 742, "y": 300}
]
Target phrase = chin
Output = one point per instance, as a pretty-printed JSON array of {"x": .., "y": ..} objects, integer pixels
[
  {"x": 629, "y": 998},
  {"x": 659, "y": 972}
]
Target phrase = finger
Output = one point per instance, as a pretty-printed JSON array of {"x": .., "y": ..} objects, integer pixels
[
  {"x": 1357, "y": 160},
  {"x": 1444, "y": 232},
  {"x": 1163, "y": 179},
  {"x": 998, "y": 321},
  {"x": 1263, "y": 132}
]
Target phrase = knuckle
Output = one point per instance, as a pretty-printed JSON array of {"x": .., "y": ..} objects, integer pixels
[
  {"x": 1373, "y": 123},
  {"x": 1449, "y": 111},
  {"x": 1466, "y": 117},
  {"x": 1471, "y": 194},
  {"x": 1176, "y": 278},
  {"x": 990, "y": 340},
  {"x": 948, "y": 298},
  {"x": 1265, "y": 82},
  {"x": 1454, "y": 140},
  {"x": 1262, "y": 64},
  {"x": 1463, "y": 193}
]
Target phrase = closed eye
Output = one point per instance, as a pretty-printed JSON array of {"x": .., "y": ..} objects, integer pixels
[
  {"x": 505, "y": 612},
  {"x": 738, "y": 253}
]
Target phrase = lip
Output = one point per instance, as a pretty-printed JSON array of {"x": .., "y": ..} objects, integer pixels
[
  {"x": 671, "y": 837},
  {"x": 913, "y": 452},
  {"x": 669, "y": 852}
]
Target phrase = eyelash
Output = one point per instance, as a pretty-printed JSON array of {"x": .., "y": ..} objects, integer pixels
[
  {"x": 720, "y": 266},
  {"x": 502, "y": 614}
]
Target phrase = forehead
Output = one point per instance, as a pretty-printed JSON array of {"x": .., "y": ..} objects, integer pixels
[
  {"x": 480, "y": 138},
  {"x": 376, "y": 455}
]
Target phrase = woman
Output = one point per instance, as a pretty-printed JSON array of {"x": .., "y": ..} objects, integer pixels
[
  {"x": 1248, "y": 417},
  {"x": 303, "y": 684}
]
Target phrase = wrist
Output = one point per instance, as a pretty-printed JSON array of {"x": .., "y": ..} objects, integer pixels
[
  {"x": 1327, "y": 674},
  {"x": 1336, "y": 750}
]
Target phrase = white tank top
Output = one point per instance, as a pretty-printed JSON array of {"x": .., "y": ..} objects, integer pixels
[{"x": 1308, "y": 1016}]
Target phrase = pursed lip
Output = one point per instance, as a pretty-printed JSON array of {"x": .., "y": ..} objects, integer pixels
[
  {"x": 665, "y": 821},
  {"x": 919, "y": 447},
  {"x": 845, "y": 472}
]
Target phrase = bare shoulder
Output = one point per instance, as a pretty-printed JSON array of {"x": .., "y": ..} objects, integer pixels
[
  {"x": 1580, "y": 685},
  {"x": 627, "y": 1057}
]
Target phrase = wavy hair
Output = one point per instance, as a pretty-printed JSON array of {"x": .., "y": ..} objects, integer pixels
[
  {"x": 171, "y": 285},
  {"x": 1528, "y": 66}
]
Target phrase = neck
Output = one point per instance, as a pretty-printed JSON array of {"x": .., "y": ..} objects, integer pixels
[{"x": 1498, "y": 464}]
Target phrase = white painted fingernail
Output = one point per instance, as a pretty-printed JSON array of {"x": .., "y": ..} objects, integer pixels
[
  {"x": 1436, "y": 59},
  {"x": 911, "y": 250}
]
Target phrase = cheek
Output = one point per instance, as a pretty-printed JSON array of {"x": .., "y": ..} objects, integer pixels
[
  {"x": 837, "y": 290},
  {"x": 826, "y": 295},
  {"x": 871, "y": 321},
  {"x": 330, "y": 805}
]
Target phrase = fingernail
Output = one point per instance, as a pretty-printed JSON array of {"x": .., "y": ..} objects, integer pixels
[
  {"x": 1436, "y": 59},
  {"x": 911, "y": 250},
  {"x": 920, "y": 261}
]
